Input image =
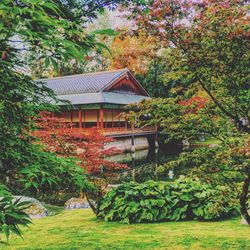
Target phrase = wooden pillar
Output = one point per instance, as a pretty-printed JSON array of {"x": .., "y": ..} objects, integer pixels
[
  {"x": 98, "y": 119},
  {"x": 119, "y": 122},
  {"x": 80, "y": 118},
  {"x": 112, "y": 112},
  {"x": 71, "y": 119},
  {"x": 101, "y": 117},
  {"x": 84, "y": 119}
]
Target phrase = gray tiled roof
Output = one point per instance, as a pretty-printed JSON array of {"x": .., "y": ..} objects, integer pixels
[{"x": 84, "y": 83}]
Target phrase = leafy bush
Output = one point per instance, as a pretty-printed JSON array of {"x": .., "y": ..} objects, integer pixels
[
  {"x": 182, "y": 199},
  {"x": 11, "y": 214},
  {"x": 48, "y": 174},
  {"x": 222, "y": 165}
]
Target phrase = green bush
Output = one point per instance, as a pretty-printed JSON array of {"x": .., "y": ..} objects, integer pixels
[
  {"x": 182, "y": 199},
  {"x": 11, "y": 214},
  {"x": 48, "y": 175}
]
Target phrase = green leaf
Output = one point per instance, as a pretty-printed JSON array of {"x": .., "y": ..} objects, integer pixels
[
  {"x": 46, "y": 62},
  {"x": 54, "y": 63},
  {"x": 109, "y": 32}
]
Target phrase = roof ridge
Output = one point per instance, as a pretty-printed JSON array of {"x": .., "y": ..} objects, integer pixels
[{"x": 84, "y": 74}]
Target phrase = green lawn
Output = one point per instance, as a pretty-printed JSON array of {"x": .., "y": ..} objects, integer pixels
[
  {"x": 78, "y": 229},
  {"x": 206, "y": 142}
]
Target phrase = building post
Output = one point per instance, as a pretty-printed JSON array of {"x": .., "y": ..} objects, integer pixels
[
  {"x": 101, "y": 117},
  {"x": 112, "y": 112},
  {"x": 80, "y": 118},
  {"x": 71, "y": 119},
  {"x": 84, "y": 119}
]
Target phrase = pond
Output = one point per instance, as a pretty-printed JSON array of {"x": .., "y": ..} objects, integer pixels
[{"x": 142, "y": 164}]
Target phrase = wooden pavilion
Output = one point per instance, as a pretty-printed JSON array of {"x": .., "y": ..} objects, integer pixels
[{"x": 98, "y": 99}]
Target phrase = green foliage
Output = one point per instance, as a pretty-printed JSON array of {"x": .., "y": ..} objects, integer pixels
[
  {"x": 219, "y": 165},
  {"x": 152, "y": 81},
  {"x": 11, "y": 214},
  {"x": 164, "y": 78},
  {"x": 49, "y": 174},
  {"x": 54, "y": 31},
  {"x": 182, "y": 199}
]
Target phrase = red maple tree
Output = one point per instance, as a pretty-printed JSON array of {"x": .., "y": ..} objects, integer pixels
[{"x": 88, "y": 146}]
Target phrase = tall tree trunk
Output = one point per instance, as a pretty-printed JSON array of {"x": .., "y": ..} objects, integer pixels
[{"x": 244, "y": 198}]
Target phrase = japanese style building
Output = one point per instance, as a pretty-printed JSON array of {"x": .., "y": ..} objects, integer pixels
[{"x": 98, "y": 99}]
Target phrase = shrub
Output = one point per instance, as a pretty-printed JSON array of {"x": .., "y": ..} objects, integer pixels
[
  {"x": 48, "y": 174},
  {"x": 182, "y": 199},
  {"x": 11, "y": 214}
]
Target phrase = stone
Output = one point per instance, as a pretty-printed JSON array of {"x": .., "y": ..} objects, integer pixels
[
  {"x": 76, "y": 203},
  {"x": 36, "y": 210}
]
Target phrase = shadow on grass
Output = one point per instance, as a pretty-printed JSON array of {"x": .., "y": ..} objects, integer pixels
[{"x": 54, "y": 210}]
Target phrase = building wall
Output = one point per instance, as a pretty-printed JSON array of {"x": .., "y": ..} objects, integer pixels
[{"x": 125, "y": 144}]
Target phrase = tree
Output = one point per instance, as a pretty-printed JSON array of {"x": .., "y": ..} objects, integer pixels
[
  {"x": 133, "y": 52},
  {"x": 152, "y": 79},
  {"x": 55, "y": 30},
  {"x": 87, "y": 147},
  {"x": 208, "y": 45},
  {"x": 50, "y": 177},
  {"x": 95, "y": 60}
]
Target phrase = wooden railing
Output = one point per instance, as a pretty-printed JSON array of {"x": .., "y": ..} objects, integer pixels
[
  {"x": 110, "y": 131},
  {"x": 116, "y": 130}
]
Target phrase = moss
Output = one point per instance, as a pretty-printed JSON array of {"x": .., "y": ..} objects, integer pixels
[{"x": 78, "y": 229}]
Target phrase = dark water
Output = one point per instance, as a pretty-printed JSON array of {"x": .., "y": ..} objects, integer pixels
[{"x": 143, "y": 164}]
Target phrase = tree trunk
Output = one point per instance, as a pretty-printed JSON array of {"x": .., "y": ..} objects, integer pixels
[
  {"x": 244, "y": 197},
  {"x": 92, "y": 206}
]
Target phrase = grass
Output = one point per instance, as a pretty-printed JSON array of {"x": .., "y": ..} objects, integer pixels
[
  {"x": 206, "y": 142},
  {"x": 78, "y": 229},
  {"x": 210, "y": 141}
]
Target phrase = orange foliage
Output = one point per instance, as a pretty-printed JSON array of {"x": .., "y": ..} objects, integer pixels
[
  {"x": 134, "y": 53},
  {"x": 193, "y": 104}
]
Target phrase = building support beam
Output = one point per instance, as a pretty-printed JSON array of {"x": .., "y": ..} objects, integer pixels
[
  {"x": 112, "y": 112},
  {"x": 71, "y": 119},
  {"x": 80, "y": 118},
  {"x": 84, "y": 119},
  {"x": 101, "y": 116}
]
